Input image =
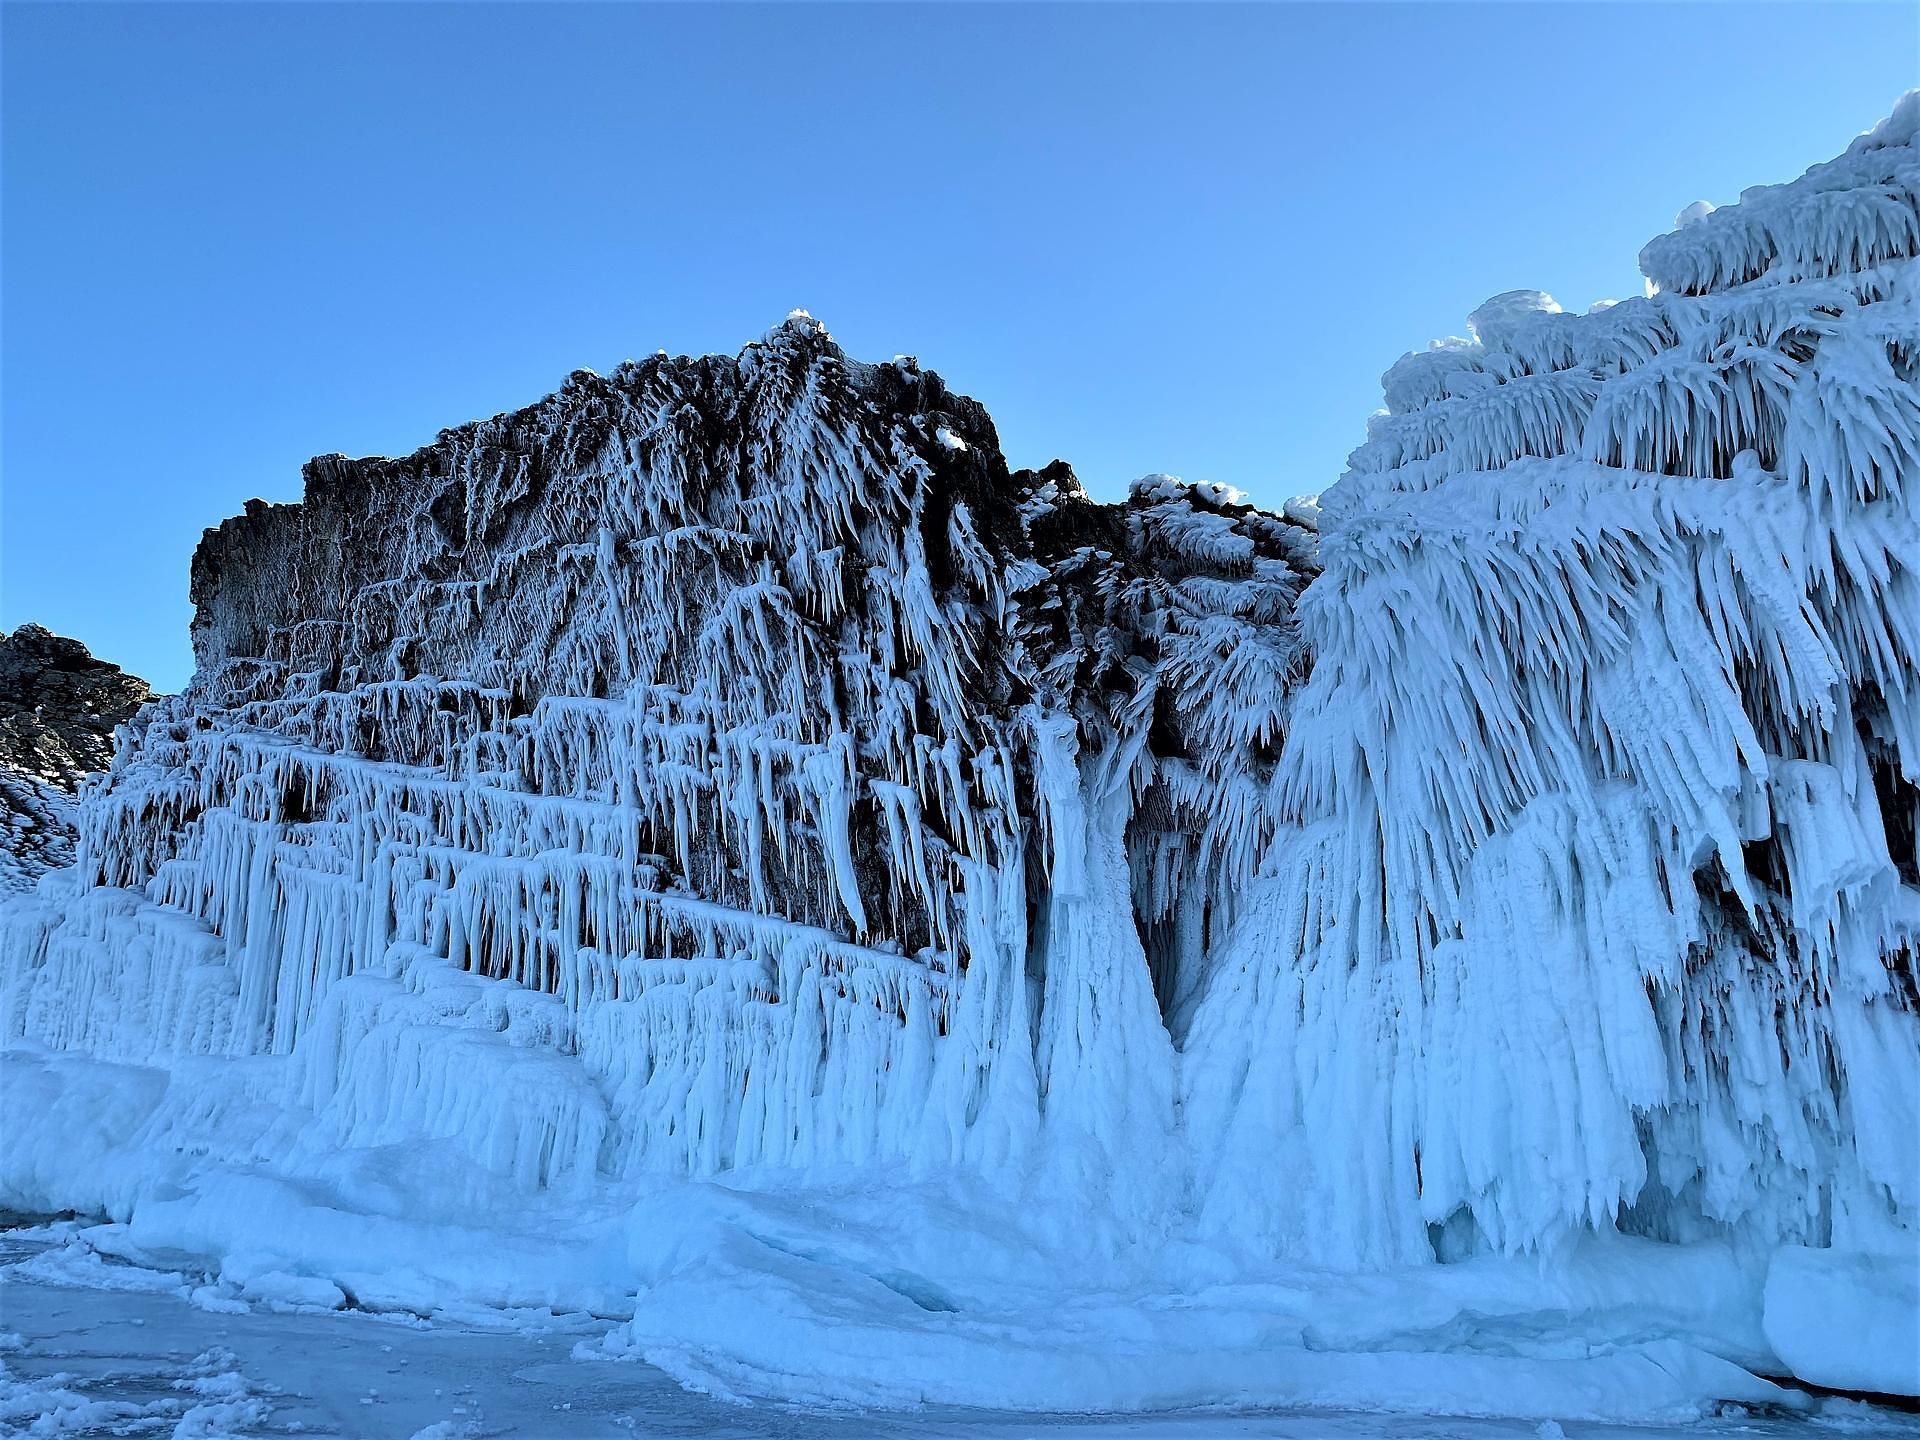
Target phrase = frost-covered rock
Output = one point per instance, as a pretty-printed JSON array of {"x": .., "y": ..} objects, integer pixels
[
  {"x": 741, "y": 715},
  {"x": 58, "y": 710},
  {"x": 726, "y": 769}
]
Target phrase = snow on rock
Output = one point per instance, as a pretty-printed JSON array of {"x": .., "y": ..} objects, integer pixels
[{"x": 716, "y": 850}]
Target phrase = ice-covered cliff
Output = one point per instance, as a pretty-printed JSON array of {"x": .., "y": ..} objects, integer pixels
[
  {"x": 58, "y": 710},
  {"x": 717, "y": 849},
  {"x": 1602, "y": 794},
  {"x": 747, "y": 708}
]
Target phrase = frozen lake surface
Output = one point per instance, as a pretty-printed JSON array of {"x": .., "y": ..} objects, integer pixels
[{"x": 128, "y": 1354}]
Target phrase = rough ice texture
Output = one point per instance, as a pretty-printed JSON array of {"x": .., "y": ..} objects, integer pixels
[
  {"x": 1605, "y": 773},
  {"x": 1602, "y": 790},
  {"x": 1040, "y": 919},
  {"x": 729, "y": 706},
  {"x": 58, "y": 711}
]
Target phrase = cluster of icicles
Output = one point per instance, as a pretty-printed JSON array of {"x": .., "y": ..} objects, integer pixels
[
  {"x": 728, "y": 763},
  {"x": 1597, "y": 901},
  {"x": 700, "y": 709}
]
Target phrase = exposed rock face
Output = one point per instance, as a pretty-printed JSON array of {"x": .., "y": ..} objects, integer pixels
[
  {"x": 58, "y": 710},
  {"x": 59, "y": 706}
]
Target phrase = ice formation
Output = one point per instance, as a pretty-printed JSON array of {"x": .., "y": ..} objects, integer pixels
[
  {"x": 725, "y": 775},
  {"x": 1601, "y": 796},
  {"x": 715, "y": 701}
]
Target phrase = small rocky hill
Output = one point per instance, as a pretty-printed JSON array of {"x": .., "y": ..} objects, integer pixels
[{"x": 58, "y": 709}]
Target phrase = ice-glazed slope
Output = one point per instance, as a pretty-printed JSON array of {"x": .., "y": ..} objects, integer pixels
[
  {"x": 1597, "y": 904},
  {"x": 58, "y": 710}
]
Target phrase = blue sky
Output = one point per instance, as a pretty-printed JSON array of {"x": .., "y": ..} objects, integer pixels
[{"x": 1178, "y": 238}]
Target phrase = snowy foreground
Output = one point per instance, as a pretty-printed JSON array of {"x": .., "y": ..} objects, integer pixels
[
  {"x": 718, "y": 852},
  {"x": 87, "y": 1348}
]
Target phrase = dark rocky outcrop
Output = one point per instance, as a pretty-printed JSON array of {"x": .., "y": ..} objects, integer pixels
[{"x": 58, "y": 709}]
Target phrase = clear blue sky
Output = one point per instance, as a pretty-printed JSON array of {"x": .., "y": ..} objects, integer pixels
[{"x": 1179, "y": 238}]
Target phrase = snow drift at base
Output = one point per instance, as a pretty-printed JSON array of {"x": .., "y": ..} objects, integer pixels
[{"x": 717, "y": 851}]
